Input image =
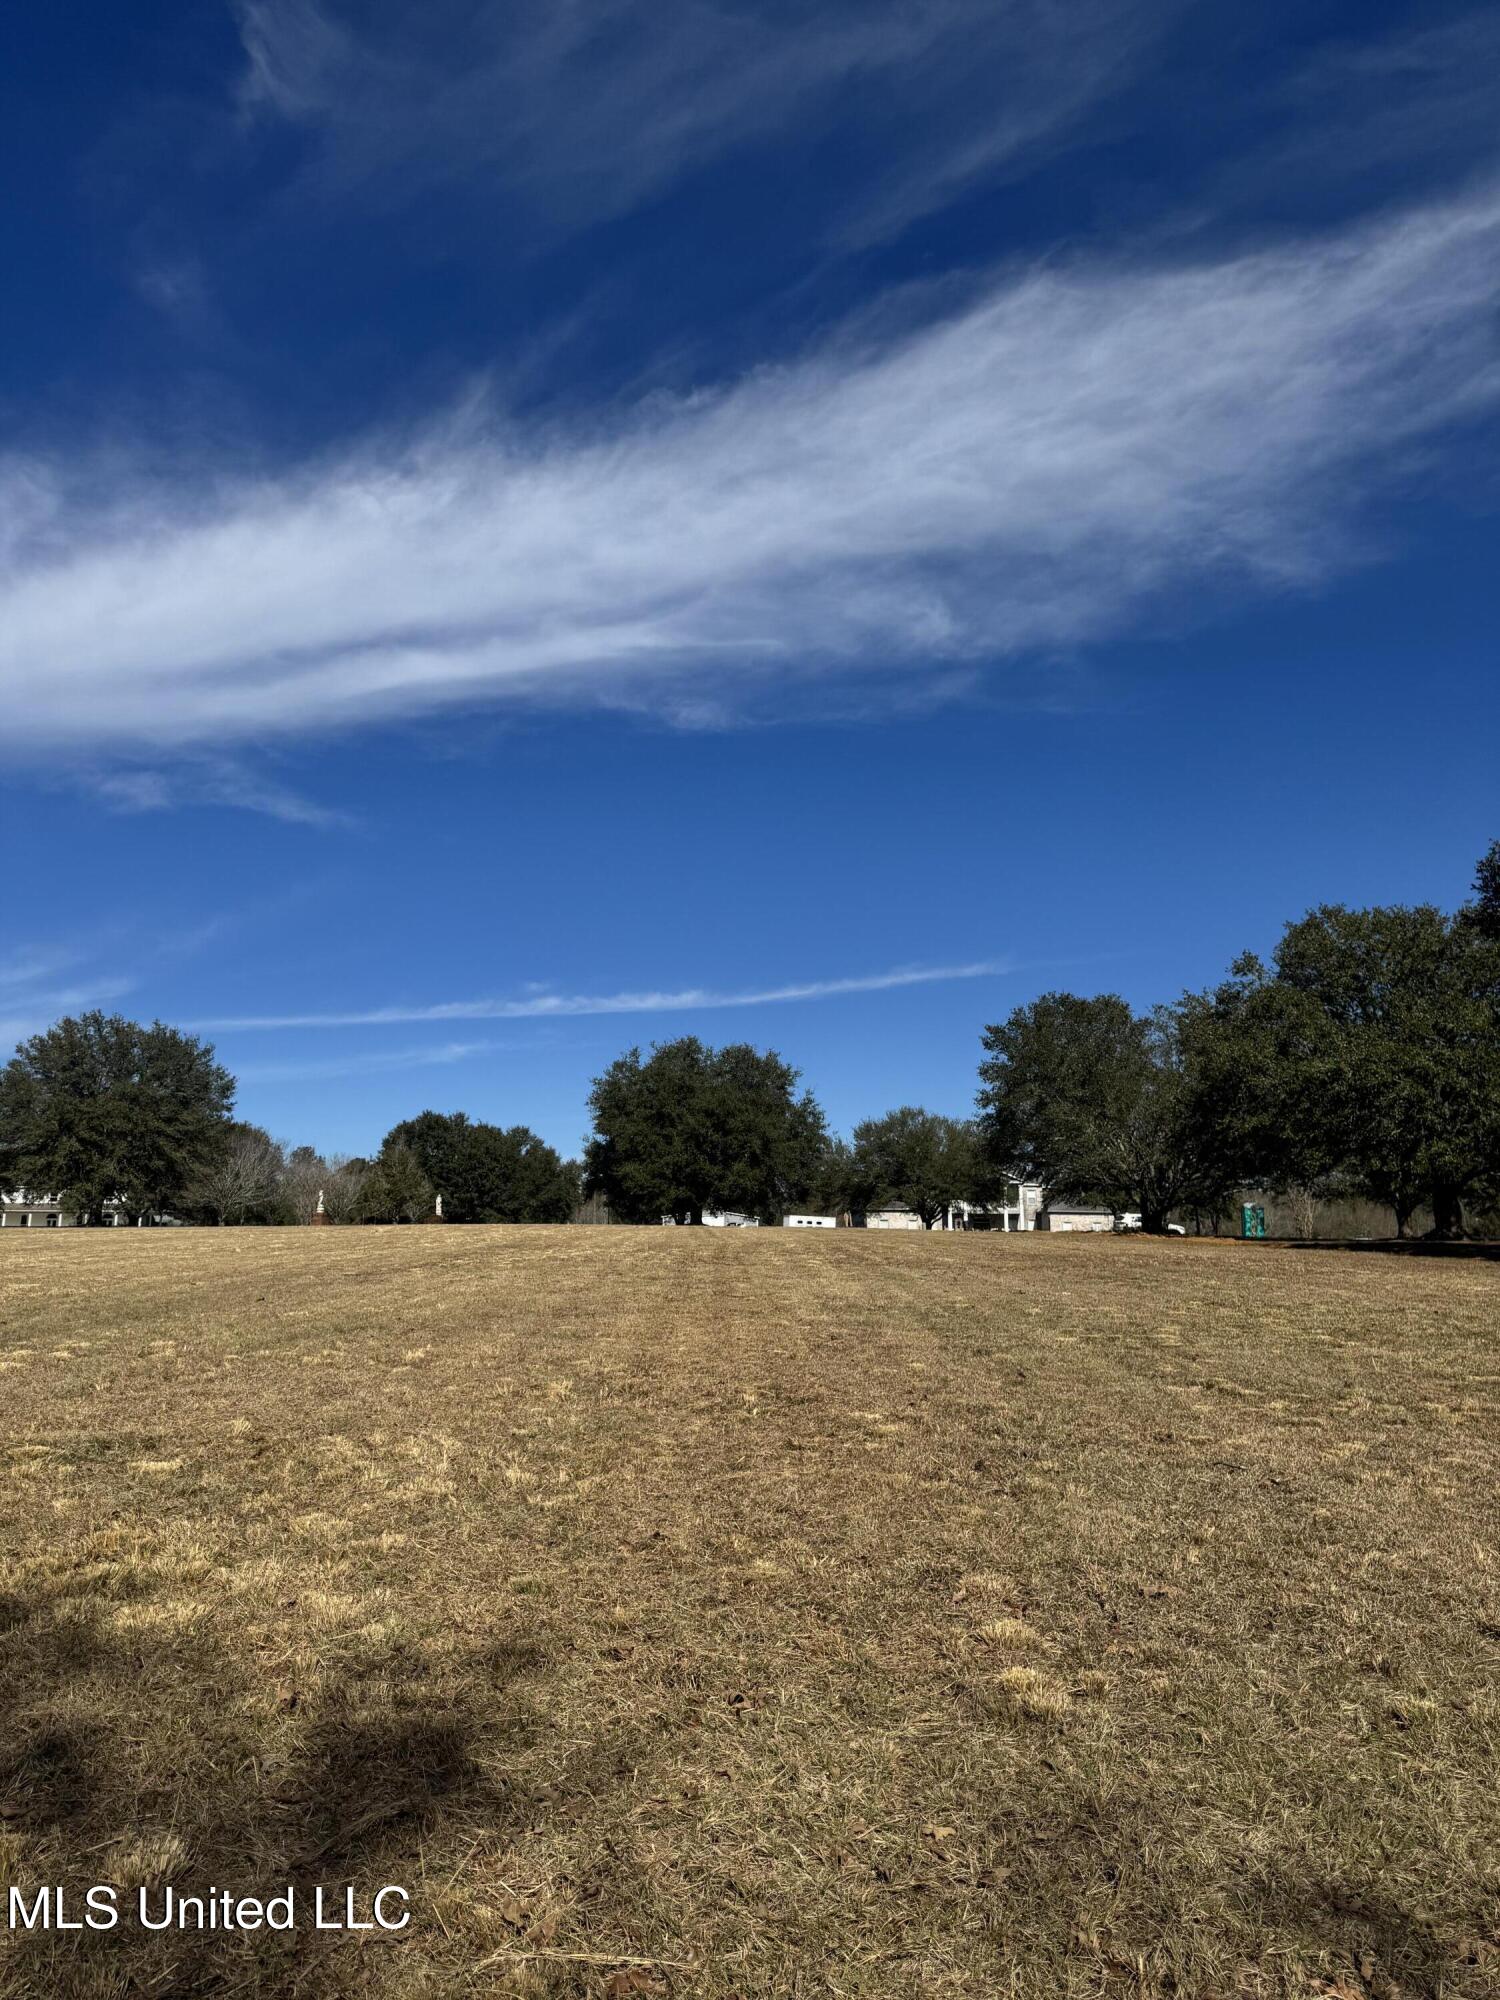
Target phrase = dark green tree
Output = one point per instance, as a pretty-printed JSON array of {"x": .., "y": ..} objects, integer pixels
[
  {"x": 394, "y": 1187},
  {"x": 1095, "y": 1102},
  {"x": 1261, "y": 1061},
  {"x": 1484, "y": 912},
  {"x": 1370, "y": 1053},
  {"x": 917, "y": 1157},
  {"x": 99, "y": 1109},
  {"x": 691, "y": 1129},
  {"x": 488, "y": 1173},
  {"x": 844, "y": 1184}
]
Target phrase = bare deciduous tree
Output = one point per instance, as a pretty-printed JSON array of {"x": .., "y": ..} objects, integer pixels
[
  {"x": 341, "y": 1191},
  {"x": 244, "y": 1183},
  {"x": 1306, "y": 1203},
  {"x": 338, "y": 1179}
]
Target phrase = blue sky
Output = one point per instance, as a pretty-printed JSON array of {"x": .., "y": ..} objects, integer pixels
[{"x": 527, "y": 529}]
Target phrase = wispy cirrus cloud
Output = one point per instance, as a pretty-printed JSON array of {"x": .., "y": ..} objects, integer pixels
[
  {"x": 1416, "y": 108},
  {"x": 544, "y": 1006},
  {"x": 32, "y": 1000},
  {"x": 28, "y": 964},
  {"x": 213, "y": 782},
  {"x": 43, "y": 980},
  {"x": 376, "y": 1063},
  {"x": 581, "y": 109},
  {"x": 1430, "y": 95},
  {"x": 1029, "y": 470}
]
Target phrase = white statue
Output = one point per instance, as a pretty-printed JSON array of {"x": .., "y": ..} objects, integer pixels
[
  {"x": 439, "y": 1208},
  {"x": 320, "y": 1201}
]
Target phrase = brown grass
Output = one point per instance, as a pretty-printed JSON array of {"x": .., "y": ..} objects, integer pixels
[{"x": 755, "y": 1614}]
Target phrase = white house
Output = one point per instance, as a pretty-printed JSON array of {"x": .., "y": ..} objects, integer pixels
[
  {"x": 45, "y": 1211},
  {"x": 17, "y": 1212},
  {"x": 809, "y": 1222},
  {"x": 22, "y": 1211},
  {"x": 1017, "y": 1210}
]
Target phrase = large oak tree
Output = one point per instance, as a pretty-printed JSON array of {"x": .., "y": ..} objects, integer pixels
[
  {"x": 1368, "y": 1051},
  {"x": 100, "y": 1109},
  {"x": 1094, "y": 1101},
  {"x": 918, "y": 1157},
  {"x": 691, "y": 1129}
]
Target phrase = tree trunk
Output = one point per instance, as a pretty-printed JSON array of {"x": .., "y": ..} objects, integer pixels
[
  {"x": 1447, "y": 1214},
  {"x": 1153, "y": 1222}
]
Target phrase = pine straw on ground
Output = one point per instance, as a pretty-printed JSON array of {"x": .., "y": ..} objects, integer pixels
[{"x": 700, "y": 1613}]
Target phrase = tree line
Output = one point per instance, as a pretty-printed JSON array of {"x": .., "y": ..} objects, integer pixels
[{"x": 1362, "y": 1059}]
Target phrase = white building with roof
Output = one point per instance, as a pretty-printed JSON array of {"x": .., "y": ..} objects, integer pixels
[
  {"x": 1017, "y": 1210},
  {"x": 45, "y": 1211},
  {"x": 1076, "y": 1218}
]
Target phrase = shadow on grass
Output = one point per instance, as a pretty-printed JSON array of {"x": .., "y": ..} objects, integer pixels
[
  {"x": 158, "y": 1763},
  {"x": 1393, "y": 1953},
  {"x": 1404, "y": 1246}
]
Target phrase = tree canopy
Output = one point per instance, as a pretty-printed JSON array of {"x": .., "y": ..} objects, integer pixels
[
  {"x": 1370, "y": 1052},
  {"x": 1484, "y": 912},
  {"x": 101, "y": 1109},
  {"x": 484, "y": 1173},
  {"x": 691, "y": 1129},
  {"x": 917, "y": 1157},
  {"x": 1094, "y": 1102},
  {"x": 395, "y": 1189}
]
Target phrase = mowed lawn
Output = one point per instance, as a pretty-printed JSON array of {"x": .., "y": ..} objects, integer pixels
[{"x": 751, "y": 1613}]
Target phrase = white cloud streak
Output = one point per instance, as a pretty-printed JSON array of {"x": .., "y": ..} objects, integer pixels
[
  {"x": 37, "y": 1008},
  {"x": 216, "y": 782},
  {"x": 1028, "y": 472},
  {"x": 375, "y": 1064},
  {"x": 34, "y": 999},
  {"x": 562, "y": 1006},
  {"x": 26, "y": 965},
  {"x": 582, "y": 109}
]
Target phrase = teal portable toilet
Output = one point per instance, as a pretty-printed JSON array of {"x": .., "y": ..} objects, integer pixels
[{"x": 1252, "y": 1220}]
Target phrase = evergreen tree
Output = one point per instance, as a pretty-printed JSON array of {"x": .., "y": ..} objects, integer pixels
[
  {"x": 1370, "y": 1052},
  {"x": 917, "y": 1157},
  {"x": 1484, "y": 912},
  {"x": 101, "y": 1109},
  {"x": 395, "y": 1189},
  {"x": 487, "y": 1173},
  {"x": 692, "y": 1129},
  {"x": 1095, "y": 1102}
]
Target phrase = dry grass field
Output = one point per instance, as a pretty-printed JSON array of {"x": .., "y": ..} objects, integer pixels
[{"x": 700, "y": 1613}]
